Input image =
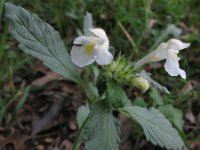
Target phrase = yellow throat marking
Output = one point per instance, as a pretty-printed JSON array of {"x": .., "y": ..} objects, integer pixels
[{"x": 89, "y": 48}]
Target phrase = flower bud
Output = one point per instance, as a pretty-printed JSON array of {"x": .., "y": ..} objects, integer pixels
[
  {"x": 123, "y": 72},
  {"x": 120, "y": 70},
  {"x": 140, "y": 83}
]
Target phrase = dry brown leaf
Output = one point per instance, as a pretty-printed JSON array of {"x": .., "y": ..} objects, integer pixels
[
  {"x": 189, "y": 86},
  {"x": 195, "y": 146},
  {"x": 39, "y": 67},
  {"x": 151, "y": 23},
  {"x": 66, "y": 144},
  {"x": 198, "y": 118},
  {"x": 189, "y": 115},
  {"x": 40, "y": 124},
  {"x": 40, "y": 147},
  {"x": 47, "y": 78},
  {"x": 189, "y": 29},
  {"x": 126, "y": 132},
  {"x": 17, "y": 140},
  {"x": 72, "y": 125},
  {"x": 49, "y": 140}
]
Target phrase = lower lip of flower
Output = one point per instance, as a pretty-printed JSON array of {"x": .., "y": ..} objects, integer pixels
[{"x": 89, "y": 48}]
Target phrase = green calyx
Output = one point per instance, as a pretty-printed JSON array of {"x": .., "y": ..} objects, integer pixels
[
  {"x": 120, "y": 70},
  {"x": 123, "y": 72}
]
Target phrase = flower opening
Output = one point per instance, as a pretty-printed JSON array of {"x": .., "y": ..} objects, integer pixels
[{"x": 88, "y": 49}]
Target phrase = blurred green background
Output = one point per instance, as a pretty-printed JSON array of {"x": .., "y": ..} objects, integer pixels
[{"x": 134, "y": 27}]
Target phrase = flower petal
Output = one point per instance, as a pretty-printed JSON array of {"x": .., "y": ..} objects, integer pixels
[
  {"x": 82, "y": 40},
  {"x": 103, "y": 56},
  {"x": 80, "y": 58},
  {"x": 152, "y": 57},
  {"x": 100, "y": 33},
  {"x": 173, "y": 69},
  {"x": 161, "y": 51},
  {"x": 177, "y": 44},
  {"x": 182, "y": 73}
]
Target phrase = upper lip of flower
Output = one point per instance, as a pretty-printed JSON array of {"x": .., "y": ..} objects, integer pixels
[
  {"x": 96, "y": 40},
  {"x": 99, "y": 33}
]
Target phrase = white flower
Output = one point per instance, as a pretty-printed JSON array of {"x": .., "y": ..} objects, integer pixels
[
  {"x": 169, "y": 52},
  {"x": 88, "y": 49}
]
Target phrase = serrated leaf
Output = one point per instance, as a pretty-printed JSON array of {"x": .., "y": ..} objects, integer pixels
[
  {"x": 82, "y": 114},
  {"x": 152, "y": 82},
  {"x": 87, "y": 24},
  {"x": 102, "y": 131},
  {"x": 175, "y": 115},
  {"x": 156, "y": 127},
  {"x": 39, "y": 39}
]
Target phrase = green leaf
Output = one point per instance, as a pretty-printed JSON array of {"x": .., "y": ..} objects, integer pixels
[
  {"x": 87, "y": 24},
  {"x": 93, "y": 93},
  {"x": 175, "y": 115},
  {"x": 95, "y": 71},
  {"x": 23, "y": 99},
  {"x": 155, "y": 95},
  {"x": 139, "y": 101},
  {"x": 101, "y": 84},
  {"x": 1, "y": 8},
  {"x": 152, "y": 82},
  {"x": 83, "y": 112},
  {"x": 102, "y": 131},
  {"x": 116, "y": 95},
  {"x": 156, "y": 127},
  {"x": 39, "y": 39}
]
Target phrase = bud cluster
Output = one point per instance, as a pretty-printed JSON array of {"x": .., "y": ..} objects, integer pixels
[{"x": 123, "y": 72}]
